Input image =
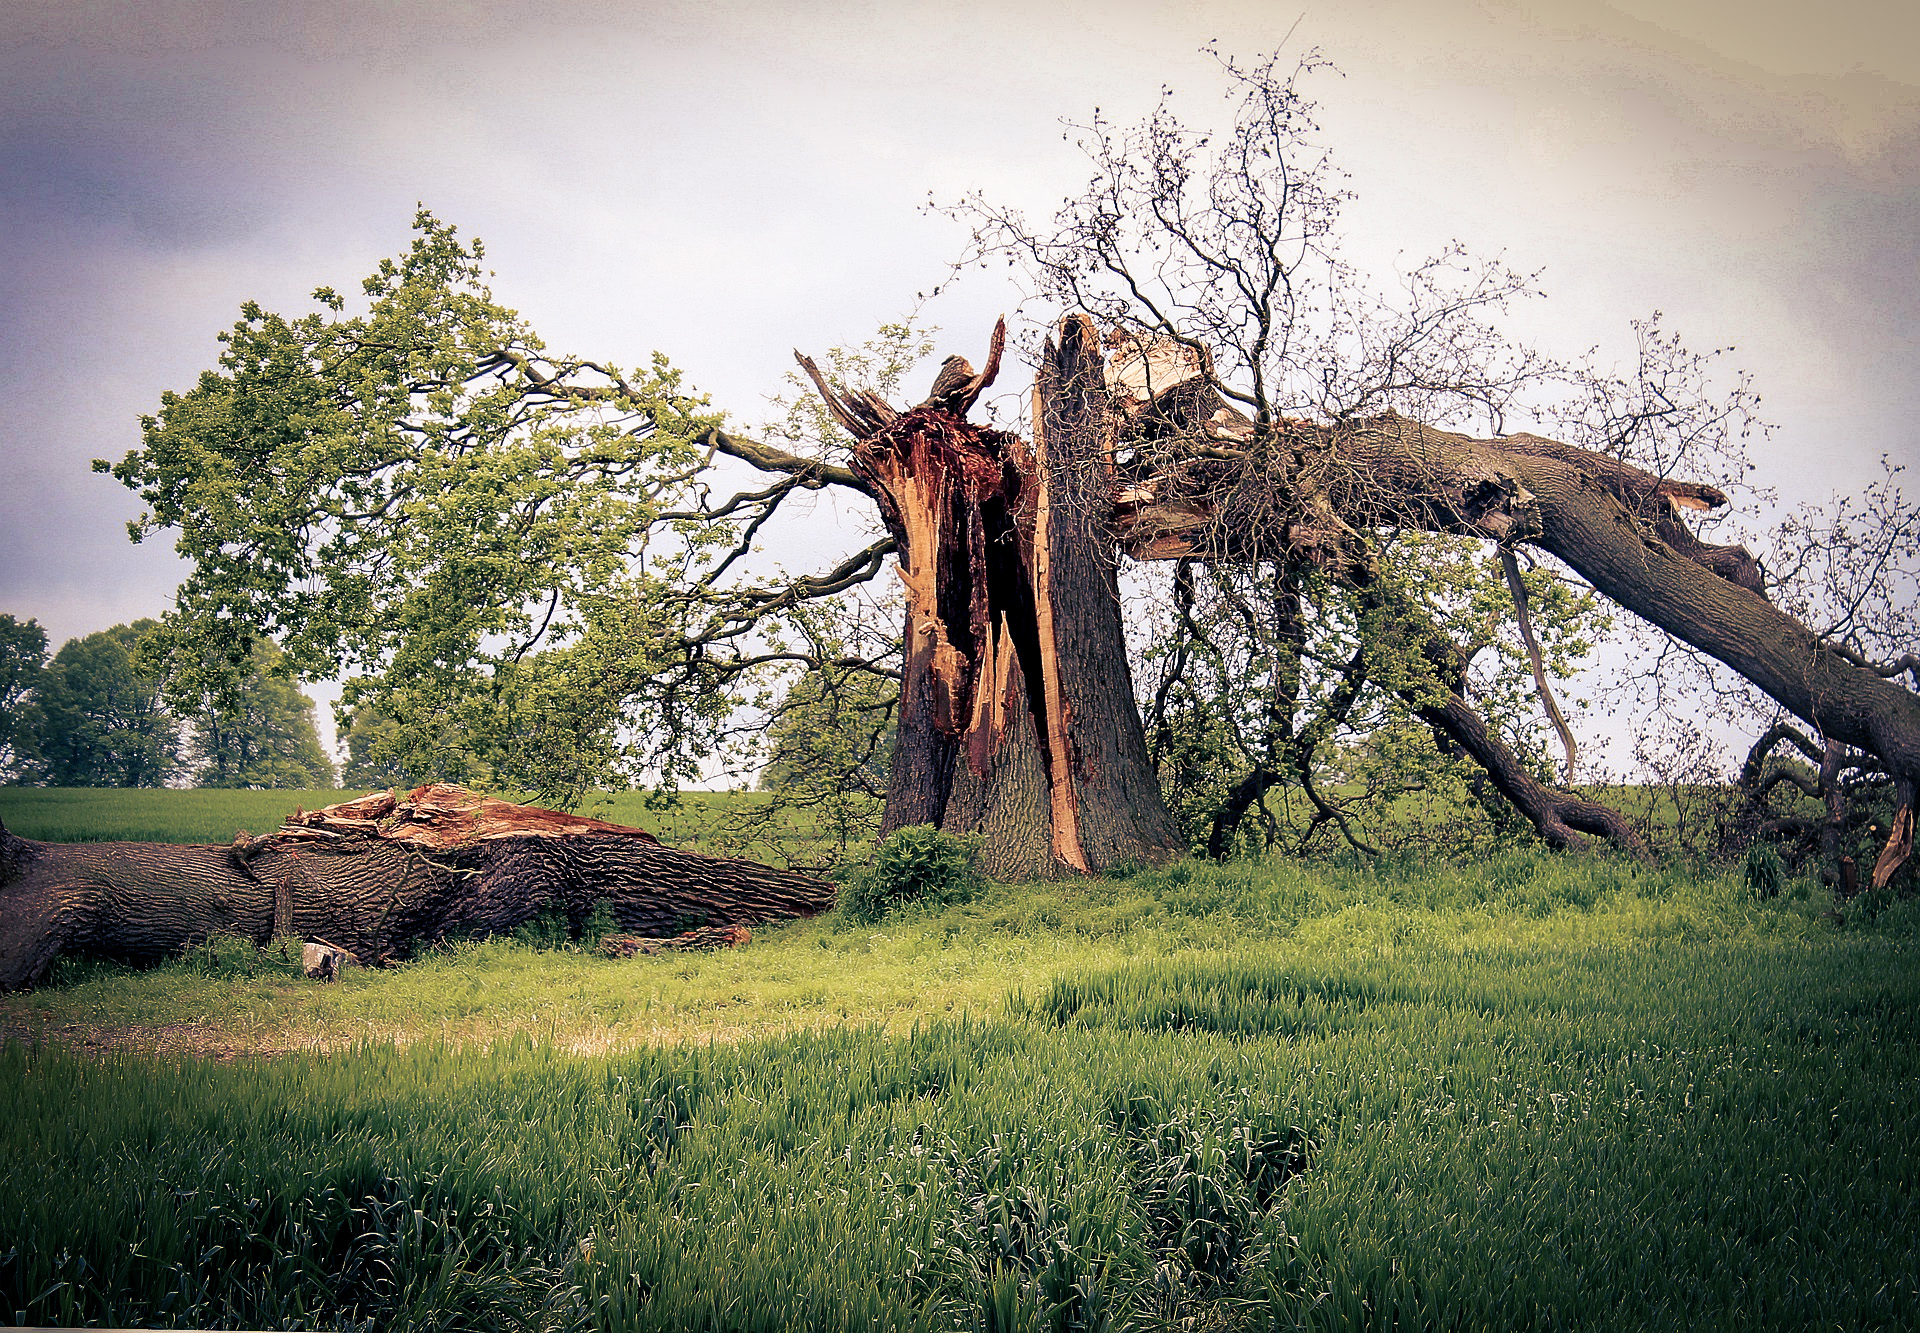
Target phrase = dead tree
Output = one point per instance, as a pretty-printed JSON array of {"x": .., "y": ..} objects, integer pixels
[
  {"x": 1017, "y": 716},
  {"x": 1305, "y": 490},
  {"x": 380, "y": 877}
]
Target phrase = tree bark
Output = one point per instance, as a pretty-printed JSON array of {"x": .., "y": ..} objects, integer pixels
[
  {"x": 1615, "y": 525},
  {"x": 378, "y": 886},
  {"x": 1107, "y": 805},
  {"x": 1017, "y": 716}
]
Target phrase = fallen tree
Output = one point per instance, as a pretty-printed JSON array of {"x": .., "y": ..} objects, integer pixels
[
  {"x": 538, "y": 565},
  {"x": 1615, "y": 525},
  {"x": 1017, "y": 718},
  {"x": 379, "y": 877}
]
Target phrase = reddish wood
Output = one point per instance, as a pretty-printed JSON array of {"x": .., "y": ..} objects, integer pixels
[{"x": 1015, "y": 723}]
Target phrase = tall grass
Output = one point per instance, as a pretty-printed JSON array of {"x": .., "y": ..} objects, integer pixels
[
  {"x": 1542, "y": 1093},
  {"x": 115, "y": 814}
]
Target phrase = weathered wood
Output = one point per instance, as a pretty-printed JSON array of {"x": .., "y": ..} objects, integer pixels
[
  {"x": 704, "y": 939},
  {"x": 376, "y": 885},
  {"x": 441, "y": 816},
  {"x": 1107, "y": 806},
  {"x": 1017, "y": 718},
  {"x": 323, "y": 961},
  {"x": 1234, "y": 495}
]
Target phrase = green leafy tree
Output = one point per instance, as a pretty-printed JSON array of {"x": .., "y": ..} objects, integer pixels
[
  {"x": 23, "y": 656},
  {"x": 511, "y": 556},
  {"x": 832, "y": 729},
  {"x": 262, "y": 735},
  {"x": 101, "y": 717},
  {"x": 370, "y": 736}
]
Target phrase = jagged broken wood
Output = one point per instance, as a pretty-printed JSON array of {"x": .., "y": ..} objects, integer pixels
[
  {"x": 1017, "y": 718},
  {"x": 376, "y": 878}
]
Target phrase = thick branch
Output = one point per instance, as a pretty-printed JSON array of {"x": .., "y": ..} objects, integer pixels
[{"x": 1568, "y": 502}]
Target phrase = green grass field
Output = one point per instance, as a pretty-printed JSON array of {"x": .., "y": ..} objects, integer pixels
[{"x": 1536, "y": 1092}]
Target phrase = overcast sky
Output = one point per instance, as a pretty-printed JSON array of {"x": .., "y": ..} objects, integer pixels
[{"x": 726, "y": 181}]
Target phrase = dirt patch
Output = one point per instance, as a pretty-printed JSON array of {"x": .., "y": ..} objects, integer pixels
[{"x": 199, "y": 1040}]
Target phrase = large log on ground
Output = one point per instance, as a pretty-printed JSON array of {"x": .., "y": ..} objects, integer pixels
[{"x": 379, "y": 877}]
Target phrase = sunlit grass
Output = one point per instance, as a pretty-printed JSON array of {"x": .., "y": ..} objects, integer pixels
[
  {"x": 113, "y": 814},
  {"x": 711, "y": 822},
  {"x": 918, "y": 967},
  {"x": 1534, "y": 1092}
]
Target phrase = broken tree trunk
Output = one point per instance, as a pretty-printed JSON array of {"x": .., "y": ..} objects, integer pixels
[
  {"x": 1017, "y": 715},
  {"x": 1296, "y": 491},
  {"x": 377, "y": 877}
]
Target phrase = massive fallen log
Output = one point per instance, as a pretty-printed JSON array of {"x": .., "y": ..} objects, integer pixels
[{"x": 379, "y": 877}]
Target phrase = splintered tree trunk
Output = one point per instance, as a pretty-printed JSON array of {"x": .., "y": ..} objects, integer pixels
[
  {"x": 1106, "y": 800},
  {"x": 378, "y": 877},
  {"x": 1017, "y": 716}
]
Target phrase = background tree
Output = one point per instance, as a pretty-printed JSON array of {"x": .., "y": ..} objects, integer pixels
[
  {"x": 23, "y": 655},
  {"x": 829, "y": 757},
  {"x": 369, "y": 736},
  {"x": 522, "y": 560},
  {"x": 100, "y": 717},
  {"x": 260, "y": 735},
  {"x": 829, "y": 725}
]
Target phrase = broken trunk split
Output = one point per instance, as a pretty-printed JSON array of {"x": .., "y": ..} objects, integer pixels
[
  {"x": 376, "y": 878},
  {"x": 1017, "y": 715}
]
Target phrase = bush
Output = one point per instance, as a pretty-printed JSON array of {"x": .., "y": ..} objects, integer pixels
[
  {"x": 911, "y": 866},
  {"x": 227, "y": 957}
]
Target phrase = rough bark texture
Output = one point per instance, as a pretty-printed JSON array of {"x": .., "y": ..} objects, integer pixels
[
  {"x": 1239, "y": 495},
  {"x": 1017, "y": 716},
  {"x": 1107, "y": 805},
  {"x": 378, "y": 885}
]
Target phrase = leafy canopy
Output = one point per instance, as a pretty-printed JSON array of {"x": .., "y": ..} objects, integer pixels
[
  {"x": 100, "y": 718},
  {"x": 264, "y": 738},
  {"x": 418, "y": 497},
  {"x": 23, "y": 656}
]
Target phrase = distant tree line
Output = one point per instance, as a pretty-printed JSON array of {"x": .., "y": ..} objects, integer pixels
[{"x": 100, "y": 714}]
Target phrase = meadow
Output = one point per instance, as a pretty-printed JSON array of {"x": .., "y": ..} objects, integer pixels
[{"x": 1533, "y": 1092}]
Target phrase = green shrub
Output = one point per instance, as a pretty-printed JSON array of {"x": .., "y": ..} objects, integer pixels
[
  {"x": 552, "y": 928},
  {"x": 599, "y": 924},
  {"x": 546, "y": 929},
  {"x": 915, "y": 865}
]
